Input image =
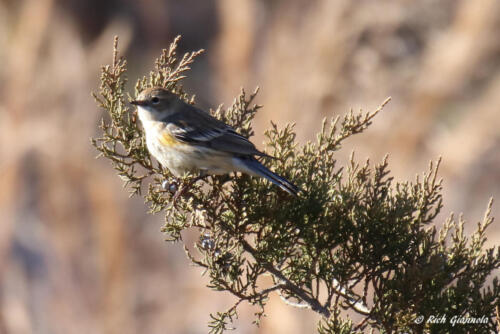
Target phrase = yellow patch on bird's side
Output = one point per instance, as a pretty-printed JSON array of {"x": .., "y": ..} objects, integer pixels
[{"x": 167, "y": 139}]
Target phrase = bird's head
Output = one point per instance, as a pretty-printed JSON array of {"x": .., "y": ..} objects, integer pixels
[{"x": 155, "y": 104}]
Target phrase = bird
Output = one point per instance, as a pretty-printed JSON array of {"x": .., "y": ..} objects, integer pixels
[{"x": 184, "y": 138}]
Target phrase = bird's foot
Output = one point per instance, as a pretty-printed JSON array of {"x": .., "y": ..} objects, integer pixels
[{"x": 182, "y": 190}]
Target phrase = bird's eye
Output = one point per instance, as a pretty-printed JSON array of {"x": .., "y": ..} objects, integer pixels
[{"x": 155, "y": 100}]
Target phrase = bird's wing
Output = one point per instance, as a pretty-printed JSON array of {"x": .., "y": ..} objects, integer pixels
[{"x": 197, "y": 127}]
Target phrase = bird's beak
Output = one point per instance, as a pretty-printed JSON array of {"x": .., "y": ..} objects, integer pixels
[{"x": 138, "y": 102}]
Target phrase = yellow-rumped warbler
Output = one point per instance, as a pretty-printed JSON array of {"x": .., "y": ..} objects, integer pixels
[{"x": 184, "y": 138}]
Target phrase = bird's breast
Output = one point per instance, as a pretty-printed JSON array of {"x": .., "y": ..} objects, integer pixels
[{"x": 180, "y": 157}]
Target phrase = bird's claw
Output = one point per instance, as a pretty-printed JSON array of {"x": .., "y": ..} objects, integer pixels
[
  {"x": 182, "y": 190},
  {"x": 178, "y": 194}
]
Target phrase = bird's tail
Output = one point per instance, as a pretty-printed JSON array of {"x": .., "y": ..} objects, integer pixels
[{"x": 254, "y": 167}]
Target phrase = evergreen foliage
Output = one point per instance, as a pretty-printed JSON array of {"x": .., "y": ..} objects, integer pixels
[{"x": 354, "y": 239}]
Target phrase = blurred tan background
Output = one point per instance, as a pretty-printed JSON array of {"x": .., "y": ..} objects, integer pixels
[{"x": 78, "y": 256}]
